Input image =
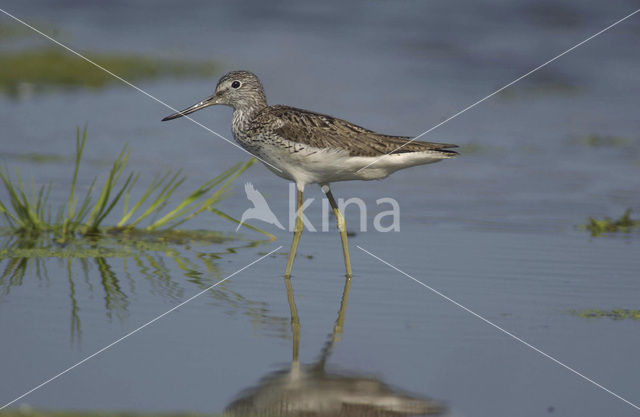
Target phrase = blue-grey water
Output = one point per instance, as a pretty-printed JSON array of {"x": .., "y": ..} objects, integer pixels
[{"x": 496, "y": 229}]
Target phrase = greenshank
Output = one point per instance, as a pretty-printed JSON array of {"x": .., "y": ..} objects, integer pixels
[{"x": 307, "y": 147}]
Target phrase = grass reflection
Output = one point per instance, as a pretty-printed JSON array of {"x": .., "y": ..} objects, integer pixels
[{"x": 113, "y": 266}]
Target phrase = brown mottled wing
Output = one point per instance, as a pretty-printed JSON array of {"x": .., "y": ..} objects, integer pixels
[{"x": 322, "y": 131}]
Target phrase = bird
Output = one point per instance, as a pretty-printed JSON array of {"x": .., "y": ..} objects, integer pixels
[
  {"x": 260, "y": 209},
  {"x": 312, "y": 148}
]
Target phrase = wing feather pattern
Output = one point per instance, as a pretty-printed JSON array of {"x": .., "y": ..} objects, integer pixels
[{"x": 323, "y": 131}]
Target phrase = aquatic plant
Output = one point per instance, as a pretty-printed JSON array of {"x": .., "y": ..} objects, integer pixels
[
  {"x": 615, "y": 314},
  {"x": 607, "y": 225},
  {"x": 30, "y": 214},
  {"x": 41, "y": 69},
  {"x": 597, "y": 141}
]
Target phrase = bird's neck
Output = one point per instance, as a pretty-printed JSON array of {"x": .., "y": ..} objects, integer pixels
[{"x": 243, "y": 115}]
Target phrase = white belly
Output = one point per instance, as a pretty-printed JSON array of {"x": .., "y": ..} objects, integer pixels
[{"x": 308, "y": 165}]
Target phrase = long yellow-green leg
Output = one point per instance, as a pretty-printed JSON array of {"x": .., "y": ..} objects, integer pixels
[
  {"x": 297, "y": 231},
  {"x": 295, "y": 321},
  {"x": 342, "y": 227},
  {"x": 337, "y": 327}
]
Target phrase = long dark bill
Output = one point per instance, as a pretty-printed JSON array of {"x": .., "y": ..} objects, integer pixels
[{"x": 209, "y": 101}]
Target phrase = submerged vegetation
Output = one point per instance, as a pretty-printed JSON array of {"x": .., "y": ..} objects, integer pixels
[
  {"x": 624, "y": 224},
  {"x": 45, "y": 68},
  {"x": 29, "y": 214},
  {"x": 615, "y": 314},
  {"x": 598, "y": 141}
]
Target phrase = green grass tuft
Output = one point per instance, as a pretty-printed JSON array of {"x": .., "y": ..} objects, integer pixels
[
  {"x": 624, "y": 224},
  {"x": 29, "y": 214}
]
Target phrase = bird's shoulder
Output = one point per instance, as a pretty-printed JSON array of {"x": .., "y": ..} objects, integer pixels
[
  {"x": 279, "y": 116},
  {"x": 308, "y": 127}
]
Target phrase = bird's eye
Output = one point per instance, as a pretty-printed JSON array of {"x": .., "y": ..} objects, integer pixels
[{"x": 235, "y": 84}]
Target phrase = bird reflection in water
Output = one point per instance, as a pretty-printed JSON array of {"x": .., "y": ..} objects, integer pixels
[{"x": 310, "y": 390}]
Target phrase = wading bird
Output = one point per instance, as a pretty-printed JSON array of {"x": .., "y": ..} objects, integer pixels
[{"x": 307, "y": 147}]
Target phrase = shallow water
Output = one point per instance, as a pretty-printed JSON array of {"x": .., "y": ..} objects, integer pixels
[{"x": 495, "y": 229}]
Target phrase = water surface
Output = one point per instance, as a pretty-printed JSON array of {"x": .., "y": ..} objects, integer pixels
[{"x": 495, "y": 229}]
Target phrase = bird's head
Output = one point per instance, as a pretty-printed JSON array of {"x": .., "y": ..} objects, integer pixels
[{"x": 238, "y": 89}]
